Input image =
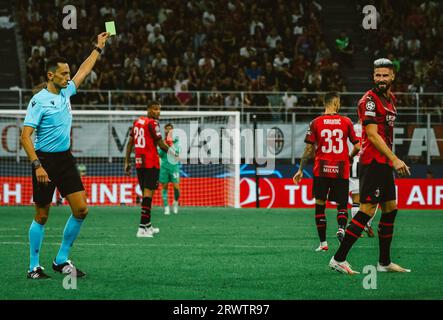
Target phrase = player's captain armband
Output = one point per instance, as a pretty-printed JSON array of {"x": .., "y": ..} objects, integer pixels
[{"x": 370, "y": 113}]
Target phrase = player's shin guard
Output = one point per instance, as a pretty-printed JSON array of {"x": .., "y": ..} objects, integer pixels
[
  {"x": 355, "y": 208},
  {"x": 342, "y": 216},
  {"x": 145, "y": 219},
  {"x": 176, "y": 194},
  {"x": 36, "y": 233},
  {"x": 353, "y": 232},
  {"x": 385, "y": 233},
  {"x": 165, "y": 197},
  {"x": 72, "y": 229},
  {"x": 320, "y": 221}
]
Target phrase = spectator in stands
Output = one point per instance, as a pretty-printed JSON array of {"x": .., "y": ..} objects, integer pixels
[
  {"x": 189, "y": 58},
  {"x": 40, "y": 47},
  {"x": 50, "y": 36},
  {"x": 132, "y": 61},
  {"x": 159, "y": 61},
  {"x": 134, "y": 14},
  {"x": 255, "y": 23},
  {"x": 280, "y": 60},
  {"x": 206, "y": 63},
  {"x": 253, "y": 72},
  {"x": 344, "y": 49},
  {"x": 107, "y": 9},
  {"x": 156, "y": 36},
  {"x": 232, "y": 101},
  {"x": 272, "y": 38},
  {"x": 248, "y": 51}
]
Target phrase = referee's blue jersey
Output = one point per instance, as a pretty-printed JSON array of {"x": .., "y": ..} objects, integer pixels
[{"x": 50, "y": 115}]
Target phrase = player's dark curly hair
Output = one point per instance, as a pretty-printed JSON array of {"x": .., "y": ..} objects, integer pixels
[{"x": 153, "y": 103}]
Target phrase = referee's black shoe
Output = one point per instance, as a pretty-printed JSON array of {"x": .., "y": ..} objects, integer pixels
[
  {"x": 37, "y": 273},
  {"x": 68, "y": 268}
]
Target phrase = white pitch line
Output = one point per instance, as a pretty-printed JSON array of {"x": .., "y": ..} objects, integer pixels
[{"x": 138, "y": 245}]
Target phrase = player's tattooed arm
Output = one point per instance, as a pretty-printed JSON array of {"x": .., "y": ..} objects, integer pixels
[{"x": 307, "y": 154}]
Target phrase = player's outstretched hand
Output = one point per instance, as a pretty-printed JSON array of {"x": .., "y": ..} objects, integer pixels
[
  {"x": 297, "y": 177},
  {"x": 101, "y": 39},
  {"x": 401, "y": 168}
]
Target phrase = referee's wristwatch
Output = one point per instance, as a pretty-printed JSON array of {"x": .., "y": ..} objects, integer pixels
[
  {"x": 98, "y": 50},
  {"x": 36, "y": 164}
]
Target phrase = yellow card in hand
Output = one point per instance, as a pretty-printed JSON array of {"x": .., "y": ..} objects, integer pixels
[{"x": 110, "y": 27}]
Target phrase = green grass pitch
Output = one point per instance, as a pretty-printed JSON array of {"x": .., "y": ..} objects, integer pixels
[{"x": 218, "y": 253}]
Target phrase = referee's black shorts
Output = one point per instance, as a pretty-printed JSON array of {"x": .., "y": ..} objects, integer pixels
[
  {"x": 148, "y": 178},
  {"x": 376, "y": 183},
  {"x": 331, "y": 189},
  {"x": 62, "y": 172}
]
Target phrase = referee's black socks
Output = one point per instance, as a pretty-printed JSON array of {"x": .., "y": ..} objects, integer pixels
[
  {"x": 145, "y": 219},
  {"x": 353, "y": 232},
  {"x": 385, "y": 233}
]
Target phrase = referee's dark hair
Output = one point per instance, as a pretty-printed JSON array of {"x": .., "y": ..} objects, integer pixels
[
  {"x": 383, "y": 63},
  {"x": 52, "y": 63},
  {"x": 329, "y": 96},
  {"x": 153, "y": 103},
  {"x": 169, "y": 125}
]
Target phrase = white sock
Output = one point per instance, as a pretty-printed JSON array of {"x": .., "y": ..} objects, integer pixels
[
  {"x": 354, "y": 209},
  {"x": 324, "y": 244}
]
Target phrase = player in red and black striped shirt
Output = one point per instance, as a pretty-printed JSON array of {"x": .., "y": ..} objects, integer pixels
[
  {"x": 377, "y": 113},
  {"x": 144, "y": 138},
  {"x": 328, "y": 134}
]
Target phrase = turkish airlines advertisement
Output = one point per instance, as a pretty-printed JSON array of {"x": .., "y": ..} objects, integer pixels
[
  {"x": 283, "y": 193},
  {"x": 274, "y": 192}
]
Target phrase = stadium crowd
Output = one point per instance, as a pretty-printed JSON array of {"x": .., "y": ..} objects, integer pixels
[
  {"x": 410, "y": 34},
  {"x": 175, "y": 47}
]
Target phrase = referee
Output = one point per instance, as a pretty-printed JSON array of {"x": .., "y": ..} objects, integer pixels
[{"x": 49, "y": 115}]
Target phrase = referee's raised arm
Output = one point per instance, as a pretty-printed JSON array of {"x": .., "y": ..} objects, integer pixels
[{"x": 88, "y": 64}]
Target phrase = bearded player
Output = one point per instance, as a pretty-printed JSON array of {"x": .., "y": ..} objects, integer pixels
[
  {"x": 377, "y": 113},
  {"x": 144, "y": 138},
  {"x": 328, "y": 135}
]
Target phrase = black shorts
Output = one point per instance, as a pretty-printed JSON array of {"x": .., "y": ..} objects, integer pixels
[
  {"x": 331, "y": 189},
  {"x": 148, "y": 178},
  {"x": 62, "y": 172},
  {"x": 376, "y": 183}
]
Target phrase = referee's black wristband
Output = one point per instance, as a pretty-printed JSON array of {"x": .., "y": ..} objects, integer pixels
[
  {"x": 98, "y": 49},
  {"x": 36, "y": 164}
]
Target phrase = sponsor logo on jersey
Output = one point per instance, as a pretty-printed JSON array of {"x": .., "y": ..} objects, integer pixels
[
  {"x": 370, "y": 113},
  {"x": 330, "y": 169}
]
